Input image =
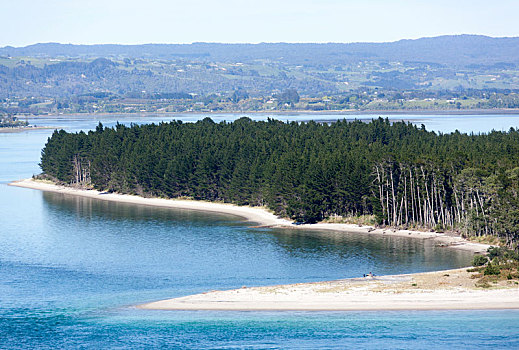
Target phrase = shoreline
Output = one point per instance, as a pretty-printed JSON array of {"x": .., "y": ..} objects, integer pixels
[
  {"x": 261, "y": 216},
  {"x": 7, "y": 130},
  {"x": 256, "y": 215},
  {"x": 439, "y": 290},
  {"x": 420, "y": 112}
]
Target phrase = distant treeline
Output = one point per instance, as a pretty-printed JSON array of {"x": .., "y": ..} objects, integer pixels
[{"x": 402, "y": 174}]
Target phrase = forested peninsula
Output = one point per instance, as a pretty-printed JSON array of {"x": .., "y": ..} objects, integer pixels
[{"x": 400, "y": 174}]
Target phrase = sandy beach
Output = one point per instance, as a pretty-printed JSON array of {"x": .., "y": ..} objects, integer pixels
[
  {"x": 452, "y": 289},
  {"x": 255, "y": 215},
  {"x": 260, "y": 216},
  {"x": 440, "y": 290}
]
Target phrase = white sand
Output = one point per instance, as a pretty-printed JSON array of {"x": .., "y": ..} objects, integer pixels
[
  {"x": 254, "y": 214},
  {"x": 451, "y": 289},
  {"x": 257, "y": 215},
  {"x": 432, "y": 290}
]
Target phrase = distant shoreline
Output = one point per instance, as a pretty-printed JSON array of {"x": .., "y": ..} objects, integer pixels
[
  {"x": 7, "y": 130},
  {"x": 468, "y": 112},
  {"x": 258, "y": 215}
]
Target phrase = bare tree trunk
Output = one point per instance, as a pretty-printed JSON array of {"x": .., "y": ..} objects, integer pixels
[
  {"x": 394, "y": 201},
  {"x": 381, "y": 189},
  {"x": 405, "y": 196},
  {"x": 455, "y": 190},
  {"x": 421, "y": 218},
  {"x": 413, "y": 201},
  {"x": 427, "y": 204}
]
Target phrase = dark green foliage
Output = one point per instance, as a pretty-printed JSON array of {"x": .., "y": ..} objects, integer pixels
[
  {"x": 404, "y": 175},
  {"x": 502, "y": 254},
  {"x": 494, "y": 252},
  {"x": 491, "y": 270},
  {"x": 479, "y": 260}
]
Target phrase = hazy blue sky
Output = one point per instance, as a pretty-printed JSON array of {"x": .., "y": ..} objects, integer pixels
[{"x": 24, "y": 22}]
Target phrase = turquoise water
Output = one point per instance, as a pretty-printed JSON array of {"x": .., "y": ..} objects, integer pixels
[{"x": 72, "y": 268}]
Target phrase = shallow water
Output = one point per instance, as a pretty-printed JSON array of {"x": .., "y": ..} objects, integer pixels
[
  {"x": 439, "y": 123},
  {"x": 71, "y": 268}
]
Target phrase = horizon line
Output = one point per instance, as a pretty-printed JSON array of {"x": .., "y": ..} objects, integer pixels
[{"x": 265, "y": 42}]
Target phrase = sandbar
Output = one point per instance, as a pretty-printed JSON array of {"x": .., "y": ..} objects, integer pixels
[
  {"x": 450, "y": 289},
  {"x": 24, "y": 128},
  {"x": 439, "y": 290}
]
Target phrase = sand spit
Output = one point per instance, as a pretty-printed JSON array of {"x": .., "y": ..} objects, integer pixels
[
  {"x": 24, "y": 128},
  {"x": 440, "y": 290},
  {"x": 451, "y": 289},
  {"x": 254, "y": 214}
]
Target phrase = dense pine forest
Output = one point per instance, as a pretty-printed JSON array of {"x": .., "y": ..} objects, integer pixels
[{"x": 403, "y": 175}]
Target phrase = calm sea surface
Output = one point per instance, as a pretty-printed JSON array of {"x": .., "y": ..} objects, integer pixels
[{"x": 72, "y": 268}]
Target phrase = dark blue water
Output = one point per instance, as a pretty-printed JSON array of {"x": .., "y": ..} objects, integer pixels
[{"x": 72, "y": 268}]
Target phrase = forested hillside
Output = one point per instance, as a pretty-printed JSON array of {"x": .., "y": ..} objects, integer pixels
[
  {"x": 457, "y": 50},
  {"x": 442, "y": 73},
  {"x": 403, "y": 174}
]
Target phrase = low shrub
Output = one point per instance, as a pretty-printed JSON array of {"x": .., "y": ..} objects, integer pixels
[
  {"x": 491, "y": 270},
  {"x": 479, "y": 260}
]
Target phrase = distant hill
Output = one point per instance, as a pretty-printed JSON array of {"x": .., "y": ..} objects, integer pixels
[
  {"x": 458, "y": 50},
  {"x": 357, "y": 74}
]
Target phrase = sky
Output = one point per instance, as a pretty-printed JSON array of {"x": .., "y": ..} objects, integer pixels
[{"x": 25, "y": 22}]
